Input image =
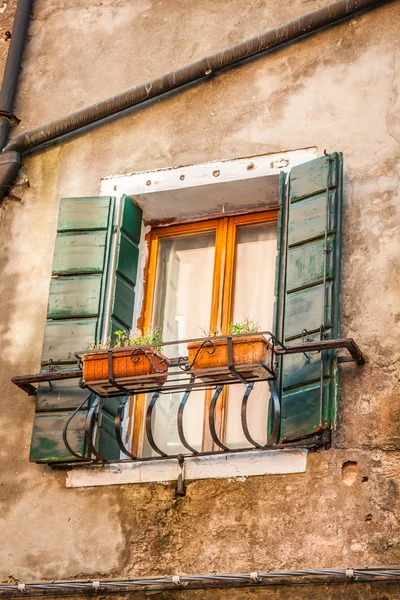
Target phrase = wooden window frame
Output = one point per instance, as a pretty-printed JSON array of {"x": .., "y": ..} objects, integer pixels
[{"x": 225, "y": 228}]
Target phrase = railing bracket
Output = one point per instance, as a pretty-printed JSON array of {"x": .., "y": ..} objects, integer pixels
[{"x": 180, "y": 484}]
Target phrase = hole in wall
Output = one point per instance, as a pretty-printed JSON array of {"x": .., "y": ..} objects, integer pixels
[
  {"x": 349, "y": 472},
  {"x": 368, "y": 517}
]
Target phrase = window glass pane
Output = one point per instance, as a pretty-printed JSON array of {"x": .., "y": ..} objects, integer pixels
[
  {"x": 253, "y": 289},
  {"x": 183, "y": 297},
  {"x": 253, "y": 298},
  {"x": 184, "y": 287}
]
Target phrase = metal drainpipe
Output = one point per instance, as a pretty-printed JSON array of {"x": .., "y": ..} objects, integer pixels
[
  {"x": 13, "y": 65},
  {"x": 203, "y": 68},
  {"x": 10, "y": 161}
]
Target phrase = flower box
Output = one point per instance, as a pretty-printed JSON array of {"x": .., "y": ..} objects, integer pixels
[
  {"x": 133, "y": 368},
  {"x": 251, "y": 357}
]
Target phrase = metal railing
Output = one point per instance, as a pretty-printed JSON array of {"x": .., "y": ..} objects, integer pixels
[{"x": 184, "y": 378}]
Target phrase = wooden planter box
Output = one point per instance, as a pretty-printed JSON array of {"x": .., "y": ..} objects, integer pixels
[
  {"x": 148, "y": 371},
  {"x": 249, "y": 353}
]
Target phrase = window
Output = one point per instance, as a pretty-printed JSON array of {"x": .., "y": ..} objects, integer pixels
[{"x": 203, "y": 276}]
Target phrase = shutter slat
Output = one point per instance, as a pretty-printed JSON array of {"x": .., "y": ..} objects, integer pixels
[
  {"x": 47, "y": 442},
  {"x": 61, "y": 394},
  {"x": 74, "y": 297},
  {"x": 310, "y": 178},
  {"x": 128, "y": 257},
  {"x": 123, "y": 302},
  {"x": 305, "y": 265},
  {"x": 64, "y": 337},
  {"x": 301, "y": 229},
  {"x": 84, "y": 213},
  {"x": 304, "y": 311},
  {"x": 79, "y": 253}
]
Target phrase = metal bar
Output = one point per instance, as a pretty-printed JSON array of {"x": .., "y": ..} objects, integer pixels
[
  {"x": 65, "y": 429},
  {"x": 309, "y": 443},
  {"x": 265, "y": 333},
  {"x": 243, "y": 416},
  {"x": 90, "y": 422},
  {"x": 149, "y": 431},
  {"x": 211, "y": 420},
  {"x": 347, "y": 343},
  {"x": 110, "y": 374},
  {"x": 118, "y": 424},
  {"x": 180, "y": 418},
  {"x": 276, "y": 412},
  {"x": 25, "y": 381},
  {"x": 231, "y": 366}
]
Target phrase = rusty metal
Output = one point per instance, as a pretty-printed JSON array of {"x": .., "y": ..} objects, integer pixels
[
  {"x": 231, "y": 366},
  {"x": 24, "y": 382},
  {"x": 12, "y": 119},
  {"x": 148, "y": 355},
  {"x": 180, "y": 483},
  {"x": 343, "y": 343},
  {"x": 185, "y": 366},
  {"x": 179, "y": 380}
]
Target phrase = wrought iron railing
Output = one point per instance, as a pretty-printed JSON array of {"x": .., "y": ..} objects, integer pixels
[{"x": 183, "y": 378}]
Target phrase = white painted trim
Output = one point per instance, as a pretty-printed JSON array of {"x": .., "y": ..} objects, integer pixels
[
  {"x": 139, "y": 288},
  {"x": 174, "y": 178},
  {"x": 226, "y": 466}
]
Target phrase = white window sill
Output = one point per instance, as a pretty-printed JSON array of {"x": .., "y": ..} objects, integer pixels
[{"x": 222, "y": 466}]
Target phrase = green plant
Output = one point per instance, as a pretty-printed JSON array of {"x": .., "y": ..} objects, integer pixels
[
  {"x": 241, "y": 327},
  {"x": 245, "y": 326},
  {"x": 126, "y": 339}
]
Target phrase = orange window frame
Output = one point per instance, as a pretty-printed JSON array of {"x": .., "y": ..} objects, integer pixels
[{"x": 222, "y": 294}]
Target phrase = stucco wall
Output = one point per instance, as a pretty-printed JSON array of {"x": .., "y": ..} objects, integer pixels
[{"x": 336, "y": 90}]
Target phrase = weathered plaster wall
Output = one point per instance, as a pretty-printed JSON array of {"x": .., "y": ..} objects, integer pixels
[{"x": 337, "y": 90}]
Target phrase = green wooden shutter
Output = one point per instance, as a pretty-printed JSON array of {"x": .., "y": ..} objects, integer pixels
[
  {"x": 307, "y": 293},
  {"x": 123, "y": 282},
  {"x": 91, "y": 290}
]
